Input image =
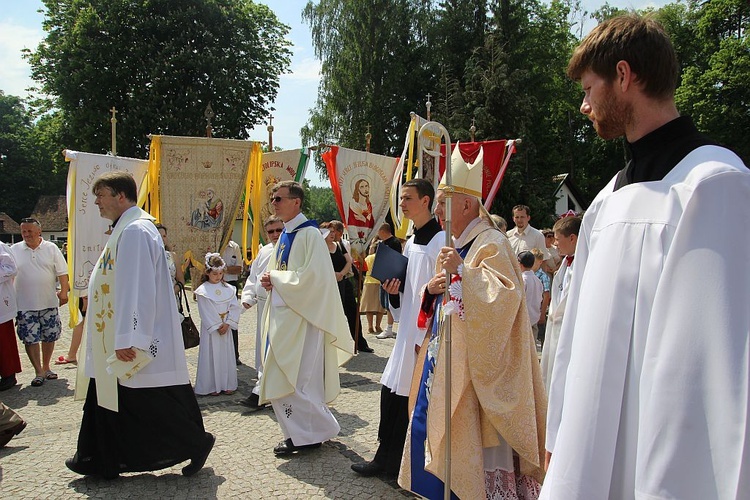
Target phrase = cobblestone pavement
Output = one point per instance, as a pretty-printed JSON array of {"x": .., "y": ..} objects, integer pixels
[{"x": 242, "y": 463}]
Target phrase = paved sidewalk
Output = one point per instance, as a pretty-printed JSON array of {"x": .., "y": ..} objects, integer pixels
[{"x": 242, "y": 463}]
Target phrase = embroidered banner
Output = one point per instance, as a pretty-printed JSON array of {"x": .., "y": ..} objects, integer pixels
[
  {"x": 196, "y": 186},
  {"x": 276, "y": 166},
  {"x": 361, "y": 184},
  {"x": 86, "y": 228}
]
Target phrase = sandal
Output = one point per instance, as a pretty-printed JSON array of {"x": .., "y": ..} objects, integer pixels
[
  {"x": 38, "y": 381},
  {"x": 62, "y": 360},
  {"x": 228, "y": 393},
  {"x": 50, "y": 375}
]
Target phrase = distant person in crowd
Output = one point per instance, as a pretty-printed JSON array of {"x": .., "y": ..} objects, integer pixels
[
  {"x": 385, "y": 234},
  {"x": 77, "y": 335},
  {"x": 498, "y": 402},
  {"x": 533, "y": 288},
  {"x": 422, "y": 250},
  {"x": 650, "y": 395},
  {"x": 501, "y": 223},
  {"x": 524, "y": 237},
  {"x": 254, "y": 294},
  {"x": 41, "y": 266},
  {"x": 175, "y": 268},
  {"x": 219, "y": 311},
  {"x": 150, "y": 421},
  {"x": 370, "y": 302},
  {"x": 232, "y": 255},
  {"x": 541, "y": 326},
  {"x": 342, "y": 265},
  {"x": 10, "y": 362},
  {"x": 305, "y": 334},
  {"x": 551, "y": 265}
]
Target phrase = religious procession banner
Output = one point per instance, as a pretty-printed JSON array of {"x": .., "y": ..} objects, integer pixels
[
  {"x": 361, "y": 184},
  {"x": 195, "y": 190},
  {"x": 276, "y": 166},
  {"x": 408, "y": 167},
  {"x": 496, "y": 157},
  {"x": 87, "y": 230}
]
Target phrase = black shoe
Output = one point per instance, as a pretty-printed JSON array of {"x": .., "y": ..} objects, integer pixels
[
  {"x": 368, "y": 469},
  {"x": 8, "y": 382},
  {"x": 366, "y": 349},
  {"x": 197, "y": 462},
  {"x": 86, "y": 467},
  {"x": 286, "y": 447},
  {"x": 253, "y": 402},
  {"x": 9, "y": 434}
]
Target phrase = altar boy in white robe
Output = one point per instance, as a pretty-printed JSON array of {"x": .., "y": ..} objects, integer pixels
[
  {"x": 150, "y": 421},
  {"x": 220, "y": 313},
  {"x": 305, "y": 333},
  {"x": 649, "y": 396},
  {"x": 253, "y": 294}
]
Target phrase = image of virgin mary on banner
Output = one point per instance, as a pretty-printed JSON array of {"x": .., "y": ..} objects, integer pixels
[{"x": 361, "y": 184}]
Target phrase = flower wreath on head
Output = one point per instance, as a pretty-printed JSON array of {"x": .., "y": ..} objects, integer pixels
[{"x": 209, "y": 267}]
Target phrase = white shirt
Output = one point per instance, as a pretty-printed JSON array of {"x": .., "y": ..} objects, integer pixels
[
  {"x": 533, "y": 287},
  {"x": 38, "y": 269},
  {"x": 232, "y": 256},
  {"x": 529, "y": 239},
  {"x": 7, "y": 291},
  {"x": 253, "y": 291}
]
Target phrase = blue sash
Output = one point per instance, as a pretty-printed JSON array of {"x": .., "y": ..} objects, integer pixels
[{"x": 284, "y": 246}]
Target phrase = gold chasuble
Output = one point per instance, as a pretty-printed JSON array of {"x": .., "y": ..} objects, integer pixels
[
  {"x": 497, "y": 390},
  {"x": 311, "y": 298},
  {"x": 100, "y": 324}
]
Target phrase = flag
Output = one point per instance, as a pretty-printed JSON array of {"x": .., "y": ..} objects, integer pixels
[
  {"x": 361, "y": 184},
  {"x": 195, "y": 190}
]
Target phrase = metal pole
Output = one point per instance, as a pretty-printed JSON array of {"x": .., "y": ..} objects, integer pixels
[
  {"x": 446, "y": 324},
  {"x": 113, "y": 121}
]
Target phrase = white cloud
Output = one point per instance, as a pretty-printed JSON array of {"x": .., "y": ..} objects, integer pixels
[
  {"x": 305, "y": 70},
  {"x": 15, "y": 72}
]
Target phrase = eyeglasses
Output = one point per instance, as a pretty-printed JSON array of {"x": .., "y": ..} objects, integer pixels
[
  {"x": 274, "y": 231},
  {"x": 29, "y": 220},
  {"x": 276, "y": 199}
]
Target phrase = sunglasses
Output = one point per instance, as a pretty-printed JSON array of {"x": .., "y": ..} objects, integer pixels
[
  {"x": 274, "y": 231},
  {"x": 276, "y": 199},
  {"x": 29, "y": 220}
]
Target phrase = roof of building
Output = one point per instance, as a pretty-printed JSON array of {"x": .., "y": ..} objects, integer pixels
[
  {"x": 8, "y": 225},
  {"x": 565, "y": 179},
  {"x": 52, "y": 212}
]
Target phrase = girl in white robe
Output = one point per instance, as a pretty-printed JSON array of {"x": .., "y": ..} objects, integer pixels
[{"x": 219, "y": 311}]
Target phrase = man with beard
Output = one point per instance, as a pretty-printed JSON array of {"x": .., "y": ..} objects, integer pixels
[{"x": 649, "y": 394}]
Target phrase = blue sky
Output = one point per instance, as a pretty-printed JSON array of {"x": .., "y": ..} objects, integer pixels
[{"x": 21, "y": 26}]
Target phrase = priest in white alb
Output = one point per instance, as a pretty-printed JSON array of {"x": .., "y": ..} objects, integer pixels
[
  {"x": 649, "y": 396},
  {"x": 305, "y": 333},
  {"x": 151, "y": 420}
]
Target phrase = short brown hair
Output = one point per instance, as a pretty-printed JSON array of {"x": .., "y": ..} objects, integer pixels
[
  {"x": 272, "y": 219},
  {"x": 423, "y": 188},
  {"x": 118, "y": 182},
  {"x": 640, "y": 41},
  {"x": 524, "y": 208},
  {"x": 295, "y": 189},
  {"x": 568, "y": 225}
]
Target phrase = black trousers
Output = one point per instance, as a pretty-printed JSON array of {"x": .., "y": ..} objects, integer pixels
[
  {"x": 349, "y": 301},
  {"x": 235, "y": 333},
  {"x": 394, "y": 422}
]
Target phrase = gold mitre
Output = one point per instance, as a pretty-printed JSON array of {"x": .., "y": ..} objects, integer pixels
[{"x": 467, "y": 177}]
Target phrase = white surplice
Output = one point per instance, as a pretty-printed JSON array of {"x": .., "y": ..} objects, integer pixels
[
  {"x": 559, "y": 292},
  {"x": 649, "y": 395},
  {"x": 217, "y": 370},
  {"x": 254, "y": 294},
  {"x": 421, "y": 267},
  {"x": 145, "y": 308}
]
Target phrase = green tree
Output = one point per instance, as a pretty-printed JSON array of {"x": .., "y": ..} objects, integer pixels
[
  {"x": 160, "y": 63},
  {"x": 319, "y": 203},
  {"x": 374, "y": 71},
  {"x": 28, "y": 166}
]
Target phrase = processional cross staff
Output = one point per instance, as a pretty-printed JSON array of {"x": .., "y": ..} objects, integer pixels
[
  {"x": 113, "y": 121},
  {"x": 445, "y": 324},
  {"x": 270, "y": 132}
]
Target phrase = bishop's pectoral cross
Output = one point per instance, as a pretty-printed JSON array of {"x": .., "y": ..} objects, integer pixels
[{"x": 106, "y": 262}]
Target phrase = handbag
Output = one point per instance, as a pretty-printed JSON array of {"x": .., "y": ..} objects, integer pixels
[{"x": 191, "y": 337}]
